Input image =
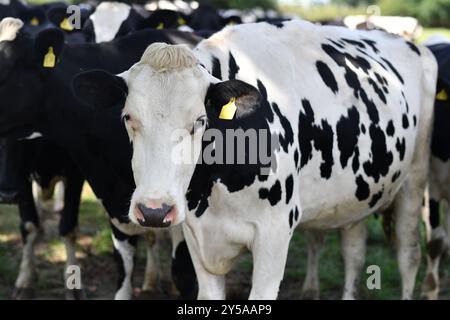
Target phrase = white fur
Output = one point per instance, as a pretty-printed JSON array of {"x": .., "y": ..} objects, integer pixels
[{"x": 9, "y": 28}]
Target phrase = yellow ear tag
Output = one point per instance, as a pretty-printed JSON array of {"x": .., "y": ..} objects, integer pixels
[
  {"x": 34, "y": 21},
  {"x": 49, "y": 59},
  {"x": 228, "y": 110},
  {"x": 160, "y": 26},
  {"x": 442, "y": 95},
  {"x": 65, "y": 25},
  {"x": 181, "y": 21}
]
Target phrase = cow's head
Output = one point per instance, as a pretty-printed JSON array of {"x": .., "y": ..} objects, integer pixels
[
  {"x": 170, "y": 101},
  {"x": 24, "y": 61}
]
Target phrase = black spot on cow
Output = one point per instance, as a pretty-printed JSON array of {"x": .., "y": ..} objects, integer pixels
[
  {"x": 396, "y": 176},
  {"x": 296, "y": 156},
  {"x": 355, "y": 162},
  {"x": 401, "y": 147},
  {"x": 291, "y": 218},
  {"x": 347, "y": 132},
  {"x": 273, "y": 195},
  {"x": 355, "y": 43},
  {"x": 296, "y": 213},
  {"x": 234, "y": 176},
  {"x": 413, "y": 47},
  {"x": 394, "y": 70},
  {"x": 405, "y": 121},
  {"x": 362, "y": 189},
  {"x": 363, "y": 128},
  {"x": 372, "y": 44},
  {"x": 337, "y": 44},
  {"x": 377, "y": 90},
  {"x": 289, "y": 184},
  {"x": 321, "y": 137},
  {"x": 390, "y": 129},
  {"x": 415, "y": 120},
  {"x": 216, "y": 70},
  {"x": 288, "y": 138},
  {"x": 233, "y": 68},
  {"x": 327, "y": 76},
  {"x": 381, "y": 157},
  {"x": 375, "y": 198},
  {"x": 352, "y": 78}
]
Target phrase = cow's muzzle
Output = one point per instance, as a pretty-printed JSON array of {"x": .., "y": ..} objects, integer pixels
[{"x": 160, "y": 217}]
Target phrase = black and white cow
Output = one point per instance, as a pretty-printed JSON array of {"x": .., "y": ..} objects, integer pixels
[
  {"x": 41, "y": 161},
  {"x": 95, "y": 140},
  {"x": 438, "y": 229},
  {"x": 111, "y": 20},
  {"x": 352, "y": 114}
]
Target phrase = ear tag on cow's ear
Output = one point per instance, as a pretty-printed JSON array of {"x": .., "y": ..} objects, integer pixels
[
  {"x": 227, "y": 112},
  {"x": 65, "y": 25},
  {"x": 442, "y": 95},
  {"x": 181, "y": 21},
  {"x": 49, "y": 59},
  {"x": 160, "y": 26},
  {"x": 34, "y": 21}
]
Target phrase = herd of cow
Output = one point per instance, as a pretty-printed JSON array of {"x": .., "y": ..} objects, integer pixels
[{"x": 358, "y": 120}]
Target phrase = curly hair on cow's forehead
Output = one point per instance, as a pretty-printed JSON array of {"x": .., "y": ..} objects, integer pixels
[{"x": 164, "y": 57}]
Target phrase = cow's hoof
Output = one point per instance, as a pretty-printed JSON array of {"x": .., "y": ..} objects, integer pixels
[
  {"x": 76, "y": 294},
  {"x": 430, "y": 288},
  {"x": 310, "y": 294},
  {"x": 23, "y": 294}
]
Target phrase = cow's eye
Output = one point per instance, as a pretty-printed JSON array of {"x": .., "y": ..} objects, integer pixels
[
  {"x": 126, "y": 117},
  {"x": 198, "y": 124}
]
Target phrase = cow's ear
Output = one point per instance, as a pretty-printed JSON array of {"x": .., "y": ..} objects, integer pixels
[
  {"x": 232, "y": 99},
  {"x": 163, "y": 19},
  {"x": 100, "y": 89},
  {"x": 48, "y": 47}
]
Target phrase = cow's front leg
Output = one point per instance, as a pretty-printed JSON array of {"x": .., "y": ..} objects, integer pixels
[
  {"x": 353, "y": 239},
  {"x": 314, "y": 242},
  {"x": 270, "y": 251},
  {"x": 152, "y": 267},
  {"x": 29, "y": 227},
  {"x": 124, "y": 250},
  {"x": 210, "y": 286},
  {"x": 68, "y": 226}
]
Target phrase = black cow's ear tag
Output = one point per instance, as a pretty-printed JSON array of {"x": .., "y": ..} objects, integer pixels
[
  {"x": 66, "y": 25},
  {"x": 49, "y": 59},
  {"x": 229, "y": 110},
  {"x": 34, "y": 21},
  {"x": 442, "y": 95}
]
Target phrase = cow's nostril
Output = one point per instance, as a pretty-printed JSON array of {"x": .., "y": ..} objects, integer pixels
[{"x": 154, "y": 217}]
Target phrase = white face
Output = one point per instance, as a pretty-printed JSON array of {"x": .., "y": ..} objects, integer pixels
[
  {"x": 107, "y": 19},
  {"x": 164, "y": 113}
]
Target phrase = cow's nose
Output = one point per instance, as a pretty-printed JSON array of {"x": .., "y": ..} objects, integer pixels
[{"x": 150, "y": 215}]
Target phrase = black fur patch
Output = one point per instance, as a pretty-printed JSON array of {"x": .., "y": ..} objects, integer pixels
[
  {"x": 327, "y": 76},
  {"x": 390, "y": 129},
  {"x": 273, "y": 195},
  {"x": 347, "y": 131},
  {"x": 233, "y": 68},
  {"x": 289, "y": 184},
  {"x": 362, "y": 189}
]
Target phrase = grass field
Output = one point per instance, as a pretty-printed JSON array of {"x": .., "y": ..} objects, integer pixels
[{"x": 99, "y": 276}]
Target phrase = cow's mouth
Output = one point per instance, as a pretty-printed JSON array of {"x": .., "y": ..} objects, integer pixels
[{"x": 155, "y": 218}]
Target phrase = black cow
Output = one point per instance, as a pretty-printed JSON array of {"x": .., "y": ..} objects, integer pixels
[
  {"x": 438, "y": 231},
  {"x": 95, "y": 140}
]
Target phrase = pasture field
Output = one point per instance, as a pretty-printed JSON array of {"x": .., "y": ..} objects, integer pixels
[{"x": 99, "y": 276}]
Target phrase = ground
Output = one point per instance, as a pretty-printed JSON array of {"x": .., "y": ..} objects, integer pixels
[{"x": 98, "y": 269}]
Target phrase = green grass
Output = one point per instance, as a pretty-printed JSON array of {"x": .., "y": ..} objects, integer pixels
[
  {"x": 96, "y": 235},
  {"x": 318, "y": 13}
]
